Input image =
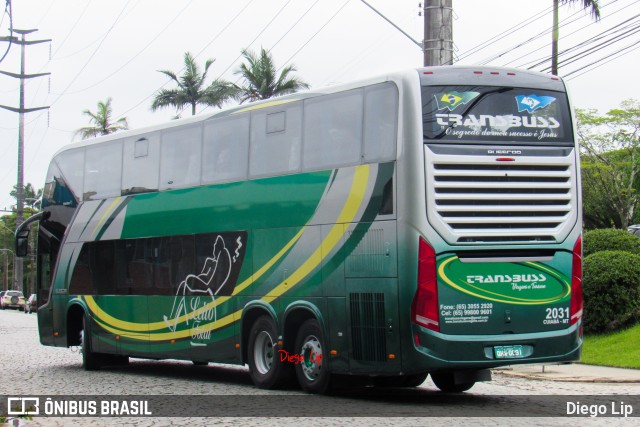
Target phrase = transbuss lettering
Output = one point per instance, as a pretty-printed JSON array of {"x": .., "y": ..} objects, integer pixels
[
  {"x": 500, "y": 278},
  {"x": 484, "y": 120}
]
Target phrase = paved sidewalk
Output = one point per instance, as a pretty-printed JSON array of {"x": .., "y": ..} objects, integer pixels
[{"x": 573, "y": 372}]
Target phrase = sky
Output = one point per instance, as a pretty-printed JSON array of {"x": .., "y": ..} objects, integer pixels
[{"x": 103, "y": 49}]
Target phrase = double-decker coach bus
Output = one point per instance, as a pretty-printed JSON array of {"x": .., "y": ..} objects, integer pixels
[{"x": 423, "y": 222}]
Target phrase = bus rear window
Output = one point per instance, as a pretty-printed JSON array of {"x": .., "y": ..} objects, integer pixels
[{"x": 495, "y": 114}]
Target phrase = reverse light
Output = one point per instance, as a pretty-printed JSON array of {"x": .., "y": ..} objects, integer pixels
[
  {"x": 424, "y": 308},
  {"x": 576, "y": 307}
]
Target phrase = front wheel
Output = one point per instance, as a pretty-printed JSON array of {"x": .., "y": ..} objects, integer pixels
[
  {"x": 312, "y": 371},
  {"x": 445, "y": 381},
  {"x": 265, "y": 368},
  {"x": 90, "y": 360}
]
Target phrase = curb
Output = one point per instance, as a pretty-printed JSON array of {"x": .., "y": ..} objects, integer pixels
[{"x": 550, "y": 376}]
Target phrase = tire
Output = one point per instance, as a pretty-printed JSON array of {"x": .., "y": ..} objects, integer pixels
[
  {"x": 445, "y": 381},
  {"x": 413, "y": 380},
  {"x": 90, "y": 361},
  {"x": 265, "y": 368},
  {"x": 196, "y": 363},
  {"x": 312, "y": 373}
]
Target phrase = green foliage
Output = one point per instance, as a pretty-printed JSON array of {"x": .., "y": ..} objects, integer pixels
[
  {"x": 192, "y": 89},
  {"x": 610, "y": 289},
  {"x": 610, "y": 239},
  {"x": 101, "y": 122},
  {"x": 597, "y": 349},
  {"x": 610, "y": 165},
  {"x": 262, "y": 80}
]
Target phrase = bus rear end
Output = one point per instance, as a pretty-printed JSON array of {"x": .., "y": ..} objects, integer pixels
[{"x": 499, "y": 255}]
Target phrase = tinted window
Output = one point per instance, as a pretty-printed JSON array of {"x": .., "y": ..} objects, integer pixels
[
  {"x": 181, "y": 157},
  {"x": 380, "y": 122},
  {"x": 71, "y": 165},
  {"x": 141, "y": 167},
  {"x": 276, "y": 139},
  {"x": 226, "y": 148},
  {"x": 102, "y": 171},
  {"x": 495, "y": 114},
  {"x": 333, "y": 130}
]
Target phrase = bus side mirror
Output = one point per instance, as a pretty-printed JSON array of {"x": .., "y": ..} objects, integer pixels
[{"x": 22, "y": 243}]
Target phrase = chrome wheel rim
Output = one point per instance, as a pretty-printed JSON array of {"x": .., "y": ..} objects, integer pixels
[
  {"x": 312, "y": 358},
  {"x": 263, "y": 352}
]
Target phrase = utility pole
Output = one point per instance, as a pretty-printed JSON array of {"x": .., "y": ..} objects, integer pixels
[
  {"x": 438, "y": 32},
  {"x": 21, "y": 111}
]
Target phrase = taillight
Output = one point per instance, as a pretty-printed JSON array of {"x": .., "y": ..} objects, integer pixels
[
  {"x": 576, "y": 282},
  {"x": 424, "y": 309}
]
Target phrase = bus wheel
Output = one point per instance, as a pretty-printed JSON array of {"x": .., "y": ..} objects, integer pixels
[
  {"x": 90, "y": 360},
  {"x": 312, "y": 372},
  {"x": 445, "y": 381},
  {"x": 265, "y": 367}
]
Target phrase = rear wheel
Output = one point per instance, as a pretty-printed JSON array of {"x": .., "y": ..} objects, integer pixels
[
  {"x": 312, "y": 372},
  {"x": 445, "y": 381},
  {"x": 90, "y": 361},
  {"x": 265, "y": 367}
]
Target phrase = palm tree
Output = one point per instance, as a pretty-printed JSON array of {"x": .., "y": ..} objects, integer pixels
[
  {"x": 191, "y": 88},
  {"x": 595, "y": 13},
  {"x": 101, "y": 120},
  {"x": 261, "y": 80}
]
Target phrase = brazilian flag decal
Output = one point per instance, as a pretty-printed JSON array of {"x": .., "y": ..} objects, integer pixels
[{"x": 452, "y": 100}]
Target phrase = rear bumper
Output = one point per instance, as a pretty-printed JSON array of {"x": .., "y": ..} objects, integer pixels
[{"x": 434, "y": 351}]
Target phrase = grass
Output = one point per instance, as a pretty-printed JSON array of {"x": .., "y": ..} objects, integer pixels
[{"x": 619, "y": 349}]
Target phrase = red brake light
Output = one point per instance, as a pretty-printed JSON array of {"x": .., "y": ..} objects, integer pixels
[
  {"x": 424, "y": 309},
  {"x": 576, "y": 282}
]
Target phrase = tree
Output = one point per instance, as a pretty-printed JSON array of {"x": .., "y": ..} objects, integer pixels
[
  {"x": 102, "y": 122},
  {"x": 586, "y": 4},
  {"x": 31, "y": 197},
  {"x": 610, "y": 164},
  {"x": 191, "y": 88},
  {"x": 261, "y": 79}
]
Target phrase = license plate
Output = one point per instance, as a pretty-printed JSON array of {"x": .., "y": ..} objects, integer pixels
[{"x": 508, "y": 351}]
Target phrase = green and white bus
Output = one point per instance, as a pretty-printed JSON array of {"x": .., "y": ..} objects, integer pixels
[{"x": 422, "y": 222}]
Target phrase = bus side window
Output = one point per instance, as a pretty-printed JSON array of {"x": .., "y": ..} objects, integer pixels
[
  {"x": 333, "y": 130},
  {"x": 103, "y": 267},
  {"x": 225, "y": 150},
  {"x": 380, "y": 122},
  {"x": 141, "y": 164},
  {"x": 82, "y": 277},
  {"x": 103, "y": 171},
  {"x": 180, "y": 157},
  {"x": 276, "y": 138}
]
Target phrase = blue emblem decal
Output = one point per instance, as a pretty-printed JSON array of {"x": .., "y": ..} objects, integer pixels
[{"x": 532, "y": 102}]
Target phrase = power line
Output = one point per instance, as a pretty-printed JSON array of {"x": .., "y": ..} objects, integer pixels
[
  {"x": 10, "y": 12},
  {"x": 93, "y": 54},
  {"x": 585, "y": 69},
  {"x": 136, "y": 55},
  {"x": 613, "y": 29},
  {"x": 256, "y": 38},
  {"x": 505, "y": 33},
  {"x": 202, "y": 50},
  {"x": 315, "y": 34},
  {"x": 598, "y": 47},
  {"x": 546, "y": 58}
]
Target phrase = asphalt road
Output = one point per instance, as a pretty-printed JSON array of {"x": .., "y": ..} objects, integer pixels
[{"x": 227, "y": 396}]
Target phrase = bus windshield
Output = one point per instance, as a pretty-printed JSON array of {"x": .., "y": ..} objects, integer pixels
[{"x": 495, "y": 114}]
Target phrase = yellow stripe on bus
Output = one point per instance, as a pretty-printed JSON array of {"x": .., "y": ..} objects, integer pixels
[
  {"x": 348, "y": 214},
  {"x": 132, "y": 326}
]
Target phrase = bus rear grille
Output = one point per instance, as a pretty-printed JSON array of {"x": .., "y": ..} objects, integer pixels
[
  {"x": 368, "y": 335},
  {"x": 473, "y": 199}
]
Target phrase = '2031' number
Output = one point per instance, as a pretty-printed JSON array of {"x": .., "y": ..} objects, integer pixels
[{"x": 557, "y": 313}]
